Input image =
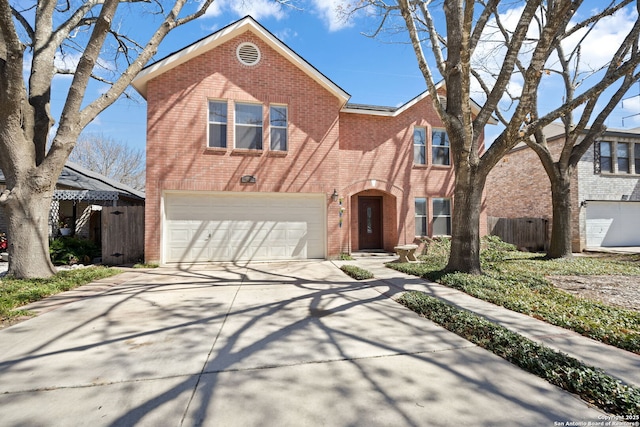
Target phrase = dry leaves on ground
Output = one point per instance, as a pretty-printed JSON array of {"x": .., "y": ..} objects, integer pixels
[{"x": 620, "y": 291}]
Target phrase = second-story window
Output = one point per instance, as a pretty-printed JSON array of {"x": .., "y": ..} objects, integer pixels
[
  {"x": 440, "y": 147},
  {"x": 622, "y": 151},
  {"x": 249, "y": 126},
  {"x": 218, "y": 124},
  {"x": 278, "y": 127},
  {"x": 606, "y": 165},
  {"x": 419, "y": 146},
  {"x": 636, "y": 156}
]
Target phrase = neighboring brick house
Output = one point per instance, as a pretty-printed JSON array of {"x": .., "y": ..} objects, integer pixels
[
  {"x": 605, "y": 189},
  {"x": 253, "y": 154}
]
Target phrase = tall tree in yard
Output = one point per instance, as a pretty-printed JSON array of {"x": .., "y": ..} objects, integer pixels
[
  {"x": 38, "y": 35},
  {"x": 581, "y": 134},
  {"x": 520, "y": 52}
]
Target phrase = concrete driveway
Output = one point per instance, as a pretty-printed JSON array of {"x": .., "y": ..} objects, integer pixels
[{"x": 266, "y": 344}]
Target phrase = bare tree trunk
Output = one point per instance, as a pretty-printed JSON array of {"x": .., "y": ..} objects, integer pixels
[
  {"x": 465, "y": 235},
  {"x": 560, "y": 246},
  {"x": 28, "y": 232}
]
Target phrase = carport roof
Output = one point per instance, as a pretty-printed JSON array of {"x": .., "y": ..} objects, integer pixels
[{"x": 74, "y": 176}]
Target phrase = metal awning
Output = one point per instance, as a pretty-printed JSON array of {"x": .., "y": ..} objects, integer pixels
[{"x": 85, "y": 195}]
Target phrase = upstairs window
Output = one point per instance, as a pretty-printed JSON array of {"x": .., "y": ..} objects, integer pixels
[
  {"x": 249, "y": 126},
  {"x": 440, "y": 147},
  {"x": 278, "y": 127},
  {"x": 421, "y": 217},
  {"x": 419, "y": 146},
  {"x": 622, "y": 152},
  {"x": 606, "y": 165},
  {"x": 218, "y": 124},
  {"x": 441, "y": 217},
  {"x": 636, "y": 156}
]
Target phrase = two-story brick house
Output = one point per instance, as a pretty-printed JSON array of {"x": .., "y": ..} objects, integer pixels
[
  {"x": 605, "y": 189},
  {"x": 253, "y": 154}
]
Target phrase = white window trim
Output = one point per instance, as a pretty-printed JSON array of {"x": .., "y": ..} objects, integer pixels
[
  {"x": 236, "y": 124},
  {"x": 425, "y": 216},
  {"x": 423, "y": 146},
  {"x": 433, "y": 215},
  {"x": 448, "y": 147},
  {"x": 209, "y": 122},
  {"x": 285, "y": 127}
]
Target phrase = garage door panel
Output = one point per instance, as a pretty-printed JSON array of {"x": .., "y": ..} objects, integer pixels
[
  {"x": 612, "y": 223},
  {"x": 229, "y": 227}
]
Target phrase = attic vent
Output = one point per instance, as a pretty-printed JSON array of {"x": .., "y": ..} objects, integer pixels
[{"x": 248, "y": 54}]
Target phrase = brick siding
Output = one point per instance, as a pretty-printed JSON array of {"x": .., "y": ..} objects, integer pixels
[{"x": 356, "y": 154}]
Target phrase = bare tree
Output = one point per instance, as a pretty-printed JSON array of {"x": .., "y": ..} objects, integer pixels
[
  {"x": 580, "y": 135},
  {"x": 39, "y": 34},
  {"x": 111, "y": 158},
  {"x": 524, "y": 49}
]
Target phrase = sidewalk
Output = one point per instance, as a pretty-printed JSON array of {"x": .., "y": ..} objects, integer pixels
[{"x": 619, "y": 363}]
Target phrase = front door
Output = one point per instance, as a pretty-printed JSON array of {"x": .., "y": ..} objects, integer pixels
[{"x": 370, "y": 222}]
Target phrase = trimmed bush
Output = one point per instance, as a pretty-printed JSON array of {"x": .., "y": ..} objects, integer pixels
[{"x": 356, "y": 272}]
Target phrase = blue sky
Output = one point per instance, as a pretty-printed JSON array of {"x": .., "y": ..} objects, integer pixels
[{"x": 372, "y": 71}]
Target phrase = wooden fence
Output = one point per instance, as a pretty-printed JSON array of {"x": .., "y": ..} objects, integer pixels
[
  {"x": 122, "y": 235},
  {"x": 529, "y": 233}
]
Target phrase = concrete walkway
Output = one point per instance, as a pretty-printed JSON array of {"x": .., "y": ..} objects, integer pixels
[
  {"x": 619, "y": 363},
  {"x": 280, "y": 344}
]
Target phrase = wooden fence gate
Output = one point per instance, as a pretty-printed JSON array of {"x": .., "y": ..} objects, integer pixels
[
  {"x": 529, "y": 233},
  {"x": 122, "y": 235}
]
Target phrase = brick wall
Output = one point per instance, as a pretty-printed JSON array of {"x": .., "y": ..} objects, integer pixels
[{"x": 355, "y": 154}]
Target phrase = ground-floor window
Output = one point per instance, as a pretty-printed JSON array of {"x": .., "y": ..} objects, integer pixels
[
  {"x": 441, "y": 217},
  {"x": 421, "y": 217}
]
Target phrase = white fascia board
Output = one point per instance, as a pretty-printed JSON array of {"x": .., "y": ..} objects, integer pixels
[{"x": 224, "y": 35}]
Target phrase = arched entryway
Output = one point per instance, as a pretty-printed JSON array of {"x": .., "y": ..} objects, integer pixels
[{"x": 373, "y": 221}]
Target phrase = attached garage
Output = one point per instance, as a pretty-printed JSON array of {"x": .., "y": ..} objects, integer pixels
[
  {"x": 613, "y": 223},
  {"x": 202, "y": 227}
]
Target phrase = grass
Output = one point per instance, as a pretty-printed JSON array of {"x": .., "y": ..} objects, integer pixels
[
  {"x": 516, "y": 280},
  {"x": 18, "y": 292},
  {"x": 591, "y": 384},
  {"x": 356, "y": 272}
]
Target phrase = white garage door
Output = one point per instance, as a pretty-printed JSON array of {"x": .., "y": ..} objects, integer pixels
[
  {"x": 613, "y": 224},
  {"x": 243, "y": 226}
]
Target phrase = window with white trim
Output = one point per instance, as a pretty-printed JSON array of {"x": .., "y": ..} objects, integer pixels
[
  {"x": 421, "y": 217},
  {"x": 440, "y": 147},
  {"x": 248, "y": 120},
  {"x": 419, "y": 145},
  {"x": 441, "y": 217},
  {"x": 218, "y": 124},
  {"x": 606, "y": 165},
  {"x": 278, "y": 127}
]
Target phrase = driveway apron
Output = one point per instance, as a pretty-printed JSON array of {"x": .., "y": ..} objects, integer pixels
[{"x": 262, "y": 344}]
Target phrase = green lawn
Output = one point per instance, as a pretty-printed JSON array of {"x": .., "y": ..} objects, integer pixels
[
  {"x": 18, "y": 292},
  {"x": 516, "y": 280}
]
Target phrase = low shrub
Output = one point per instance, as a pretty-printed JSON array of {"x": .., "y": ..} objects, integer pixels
[
  {"x": 356, "y": 272},
  {"x": 591, "y": 384},
  {"x": 72, "y": 250}
]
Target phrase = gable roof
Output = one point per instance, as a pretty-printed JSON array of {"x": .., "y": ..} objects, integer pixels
[
  {"x": 249, "y": 24},
  {"x": 75, "y": 176},
  {"x": 222, "y": 36}
]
